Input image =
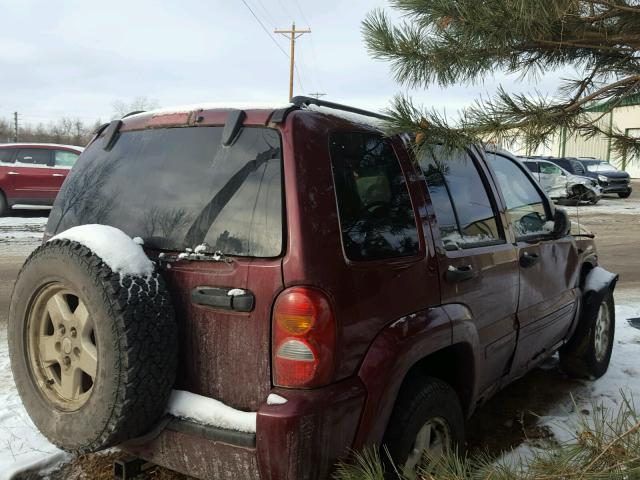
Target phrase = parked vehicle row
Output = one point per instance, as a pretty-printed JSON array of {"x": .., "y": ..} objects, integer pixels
[
  {"x": 560, "y": 184},
  {"x": 31, "y": 174},
  {"x": 331, "y": 290},
  {"x": 554, "y": 172}
]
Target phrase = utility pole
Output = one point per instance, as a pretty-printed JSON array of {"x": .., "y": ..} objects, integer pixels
[
  {"x": 317, "y": 95},
  {"x": 293, "y": 34},
  {"x": 15, "y": 127}
]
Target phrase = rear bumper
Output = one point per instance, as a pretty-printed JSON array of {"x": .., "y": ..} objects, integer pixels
[{"x": 300, "y": 439}]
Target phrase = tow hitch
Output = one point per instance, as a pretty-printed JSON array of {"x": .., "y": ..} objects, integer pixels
[{"x": 130, "y": 467}]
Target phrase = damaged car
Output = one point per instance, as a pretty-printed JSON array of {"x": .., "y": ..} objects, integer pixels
[
  {"x": 255, "y": 294},
  {"x": 562, "y": 185}
]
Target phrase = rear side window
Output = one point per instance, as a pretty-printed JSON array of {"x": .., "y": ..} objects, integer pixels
[
  {"x": 525, "y": 206},
  {"x": 577, "y": 167},
  {"x": 549, "y": 168},
  {"x": 35, "y": 156},
  {"x": 177, "y": 188},
  {"x": 532, "y": 166},
  {"x": 6, "y": 155},
  {"x": 376, "y": 215},
  {"x": 465, "y": 215},
  {"x": 65, "y": 158}
]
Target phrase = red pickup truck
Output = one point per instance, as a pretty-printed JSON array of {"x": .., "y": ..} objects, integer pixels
[{"x": 31, "y": 174}]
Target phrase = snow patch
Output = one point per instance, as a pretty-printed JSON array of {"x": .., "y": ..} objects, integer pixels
[
  {"x": 207, "y": 411},
  {"x": 201, "y": 248},
  {"x": 597, "y": 279},
  {"x": 212, "y": 106},
  {"x": 236, "y": 292},
  {"x": 138, "y": 240},
  {"x": 22, "y": 446},
  {"x": 113, "y": 246},
  {"x": 275, "y": 399}
]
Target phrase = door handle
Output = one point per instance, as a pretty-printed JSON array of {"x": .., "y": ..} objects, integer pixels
[
  {"x": 58, "y": 175},
  {"x": 528, "y": 259},
  {"x": 235, "y": 299},
  {"x": 459, "y": 274},
  {"x": 13, "y": 173}
]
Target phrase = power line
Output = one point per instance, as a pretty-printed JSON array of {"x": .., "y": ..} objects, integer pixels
[
  {"x": 265, "y": 29},
  {"x": 267, "y": 13},
  {"x": 301, "y": 12}
]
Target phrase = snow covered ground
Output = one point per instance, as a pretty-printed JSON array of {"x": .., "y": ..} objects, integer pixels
[
  {"x": 19, "y": 236},
  {"x": 21, "y": 444},
  {"x": 608, "y": 205}
]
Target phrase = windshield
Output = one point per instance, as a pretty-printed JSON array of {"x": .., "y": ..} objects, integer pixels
[
  {"x": 600, "y": 167},
  {"x": 179, "y": 187}
]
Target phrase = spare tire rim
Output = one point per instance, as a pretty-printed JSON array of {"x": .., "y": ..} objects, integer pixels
[
  {"x": 62, "y": 348},
  {"x": 603, "y": 329},
  {"x": 432, "y": 441}
]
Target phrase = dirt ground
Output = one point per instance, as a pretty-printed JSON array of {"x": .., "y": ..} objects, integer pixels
[{"x": 511, "y": 416}]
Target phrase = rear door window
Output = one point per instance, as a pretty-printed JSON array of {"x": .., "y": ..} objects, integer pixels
[
  {"x": 376, "y": 215},
  {"x": 178, "y": 188},
  {"x": 65, "y": 158},
  {"x": 526, "y": 208},
  {"x": 532, "y": 166},
  {"x": 6, "y": 155},
  {"x": 34, "y": 156},
  {"x": 465, "y": 214}
]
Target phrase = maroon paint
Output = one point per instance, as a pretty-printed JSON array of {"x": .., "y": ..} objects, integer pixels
[{"x": 389, "y": 314}]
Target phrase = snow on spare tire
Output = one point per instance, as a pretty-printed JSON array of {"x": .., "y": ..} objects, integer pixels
[{"x": 92, "y": 339}]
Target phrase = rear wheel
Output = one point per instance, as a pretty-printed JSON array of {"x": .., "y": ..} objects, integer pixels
[
  {"x": 588, "y": 353},
  {"x": 427, "y": 422},
  {"x": 624, "y": 195}
]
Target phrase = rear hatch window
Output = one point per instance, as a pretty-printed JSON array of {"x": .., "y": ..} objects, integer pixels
[{"x": 177, "y": 188}]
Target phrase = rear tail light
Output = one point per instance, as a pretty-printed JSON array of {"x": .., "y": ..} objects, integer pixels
[{"x": 303, "y": 338}]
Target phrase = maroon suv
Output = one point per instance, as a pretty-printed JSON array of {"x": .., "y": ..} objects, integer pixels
[
  {"x": 31, "y": 174},
  {"x": 317, "y": 288}
]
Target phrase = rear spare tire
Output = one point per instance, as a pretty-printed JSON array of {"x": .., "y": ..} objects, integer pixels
[{"x": 93, "y": 353}]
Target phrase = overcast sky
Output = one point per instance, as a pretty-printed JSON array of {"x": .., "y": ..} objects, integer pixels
[{"x": 75, "y": 58}]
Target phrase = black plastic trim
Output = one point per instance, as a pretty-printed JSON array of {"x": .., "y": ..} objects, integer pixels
[
  {"x": 300, "y": 101},
  {"x": 111, "y": 134},
  {"x": 231, "y": 437},
  {"x": 232, "y": 126},
  {"x": 220, "y": 298}
]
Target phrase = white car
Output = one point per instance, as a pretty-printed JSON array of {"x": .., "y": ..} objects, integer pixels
[{"x": 561, "y": 184}]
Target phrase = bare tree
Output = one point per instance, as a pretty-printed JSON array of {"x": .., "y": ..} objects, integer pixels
[{"x": 121, "y": 108}]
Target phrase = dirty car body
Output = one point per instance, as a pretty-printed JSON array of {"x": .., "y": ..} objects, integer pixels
[{"x": 431, "y": 264}]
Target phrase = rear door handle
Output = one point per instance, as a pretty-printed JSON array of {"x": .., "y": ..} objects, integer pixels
[
  {"x": 236, "y": 299},
  {"x": 528, "y": 259},
  {"x": 58, "y": 175},
  {"x": 459, "y": 274},
  {"x": 13, "y": 173}
]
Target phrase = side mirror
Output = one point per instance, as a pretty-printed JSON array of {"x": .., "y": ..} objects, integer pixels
[{"x": 561, "y": 223}]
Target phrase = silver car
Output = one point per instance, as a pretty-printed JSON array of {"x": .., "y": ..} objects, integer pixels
[{"x": 562, "y": 185}]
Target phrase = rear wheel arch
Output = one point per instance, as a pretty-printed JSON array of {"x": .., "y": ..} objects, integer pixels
[{"x": 454, "y": 365}]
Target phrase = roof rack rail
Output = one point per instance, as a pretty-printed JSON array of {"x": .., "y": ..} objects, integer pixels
[
  {"x": 135, "y": 112},
  {"x": 299, "y": 101}
]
